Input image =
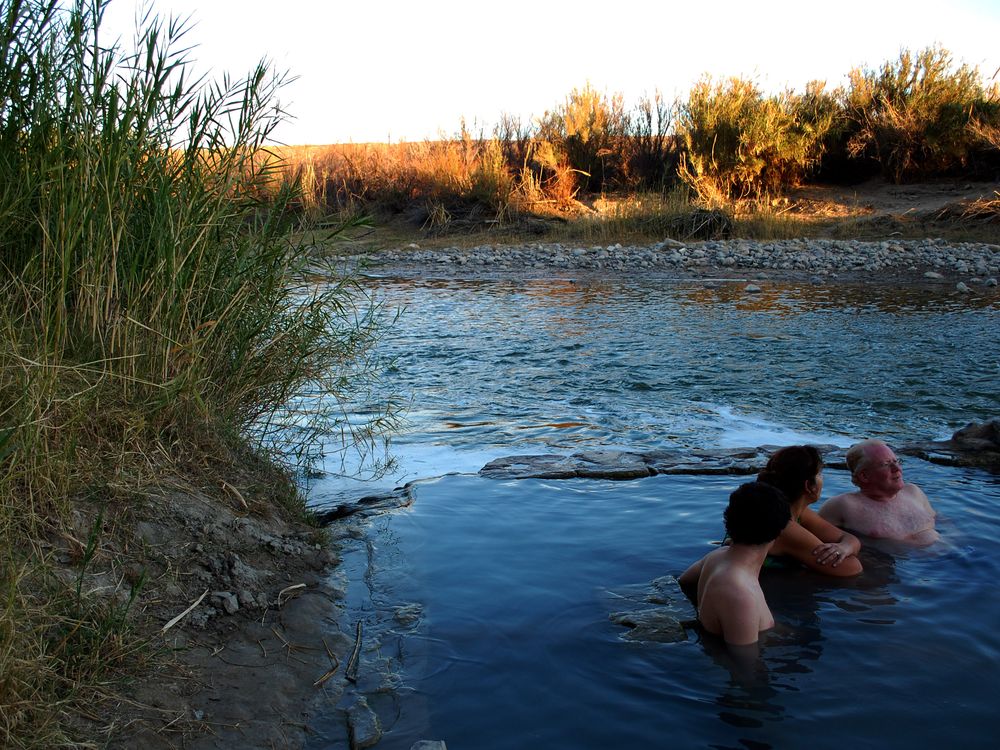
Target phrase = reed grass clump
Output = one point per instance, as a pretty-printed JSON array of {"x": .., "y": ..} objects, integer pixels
[{"x": 152, "y": 308}]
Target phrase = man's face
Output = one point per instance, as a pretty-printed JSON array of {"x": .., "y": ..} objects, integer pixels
[{"x": 882, "y": 472}]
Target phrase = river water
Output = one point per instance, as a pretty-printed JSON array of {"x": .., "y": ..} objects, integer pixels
[{"x": 513, "y": 583}]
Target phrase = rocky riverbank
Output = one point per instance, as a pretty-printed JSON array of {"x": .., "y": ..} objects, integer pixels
[{"x": 818, "y": 260}]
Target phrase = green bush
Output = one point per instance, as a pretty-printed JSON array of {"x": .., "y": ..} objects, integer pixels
[
  {"x": 738, "y": 143},
  {"x": 915, "y": 115}
]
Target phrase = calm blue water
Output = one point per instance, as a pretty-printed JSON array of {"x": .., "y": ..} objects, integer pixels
[{"x": 515, "y": 581}]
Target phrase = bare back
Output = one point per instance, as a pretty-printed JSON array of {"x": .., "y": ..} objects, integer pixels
[{"x": 731, "y": 603}]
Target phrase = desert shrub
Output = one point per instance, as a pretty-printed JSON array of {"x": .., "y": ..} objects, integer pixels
[
  {"x": 649, "y": 151},
  {"x": 915, "y": 115},
  {"x": 429, "y": 179},
  {"x": 588, "y": 143},
  {"x": 586, "y": 131},
  {"x": 738, "y": 143},
  {"x": 492, "y": 183},
  {"x": 984, "y": 129}
]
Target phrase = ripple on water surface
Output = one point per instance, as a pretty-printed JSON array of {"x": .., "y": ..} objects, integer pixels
[{"x": 650, "y": 363}]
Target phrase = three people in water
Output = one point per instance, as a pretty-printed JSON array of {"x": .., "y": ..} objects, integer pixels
[{"x": 769, "y": 523}]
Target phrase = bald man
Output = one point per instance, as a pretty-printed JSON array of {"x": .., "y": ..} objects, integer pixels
[{"x": 884, "y": 507}]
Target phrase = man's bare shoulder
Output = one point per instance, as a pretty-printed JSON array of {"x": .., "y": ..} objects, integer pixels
[
  {"x": 844, "y": 497},
  {"x": 914, "y": 493},
  {"x": 833, "y": 509}
]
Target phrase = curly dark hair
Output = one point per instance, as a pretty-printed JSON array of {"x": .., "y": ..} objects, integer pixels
[
  {"x": 756, "y": 514},
  {"x": 790, "y": 468}
]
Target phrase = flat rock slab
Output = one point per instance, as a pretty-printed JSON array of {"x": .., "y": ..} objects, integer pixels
[
  {"x": 975, "y": 445},
  {"x": 610, "y": 464}
]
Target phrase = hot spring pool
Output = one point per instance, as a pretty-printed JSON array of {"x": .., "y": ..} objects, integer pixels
[
  {"x": 514, "y": 583},
  {"x": 486, "y": 604}
]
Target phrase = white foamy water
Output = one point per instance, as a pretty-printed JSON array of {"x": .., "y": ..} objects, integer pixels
[{"x": 742, "y": 430}]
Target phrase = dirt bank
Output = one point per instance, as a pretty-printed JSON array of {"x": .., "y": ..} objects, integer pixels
[{"x": 238, "y": 610}]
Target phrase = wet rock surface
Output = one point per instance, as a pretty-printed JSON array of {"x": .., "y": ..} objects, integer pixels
[
  {"x": 367, "y": 505},
  {"x": 975, "y": 445}
]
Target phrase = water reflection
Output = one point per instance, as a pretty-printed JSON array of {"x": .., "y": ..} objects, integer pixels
[{"x": 586, "y": 292}]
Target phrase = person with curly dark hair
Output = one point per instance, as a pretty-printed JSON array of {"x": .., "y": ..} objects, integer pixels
[{"x": 729, "y": 599}]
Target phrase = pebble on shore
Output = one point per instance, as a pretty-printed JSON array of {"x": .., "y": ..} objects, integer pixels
[{"x": 815, "y": 259}]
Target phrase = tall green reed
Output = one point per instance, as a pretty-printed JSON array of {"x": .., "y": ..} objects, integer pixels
[
  {"x": 147, "y": 256},
  {"x": 152, "y": 304}
]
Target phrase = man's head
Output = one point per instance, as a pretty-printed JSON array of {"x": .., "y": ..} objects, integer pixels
[
  {"x": 875, "y": 468},
  {"x": 756, "y": 514}
]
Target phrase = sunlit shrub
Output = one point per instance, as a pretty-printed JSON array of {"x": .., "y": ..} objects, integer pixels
[
  {"x": 915, "y": 115},
  {"x": 738, "y": 143}
]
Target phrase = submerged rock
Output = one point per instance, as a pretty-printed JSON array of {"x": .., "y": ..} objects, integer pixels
[
  {"x": 364, "y": 726},
  {"x": 666, "y": 623},
  {"x": 408, "y": 614},
  {"x": 658, "y": 624}
]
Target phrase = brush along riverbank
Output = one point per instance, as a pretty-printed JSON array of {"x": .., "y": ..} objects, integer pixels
[{"x": 158, "y": 332}]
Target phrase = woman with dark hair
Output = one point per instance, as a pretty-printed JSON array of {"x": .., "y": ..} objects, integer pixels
[{"x": 816, "y": 543}]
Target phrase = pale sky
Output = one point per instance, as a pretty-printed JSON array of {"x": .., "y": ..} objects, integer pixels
[{"x": 395, "y": 70}]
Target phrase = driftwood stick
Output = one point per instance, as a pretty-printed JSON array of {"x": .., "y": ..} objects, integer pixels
[
  {"x": 183, "y": 614},
  {"x": 352, "y": 664}
]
